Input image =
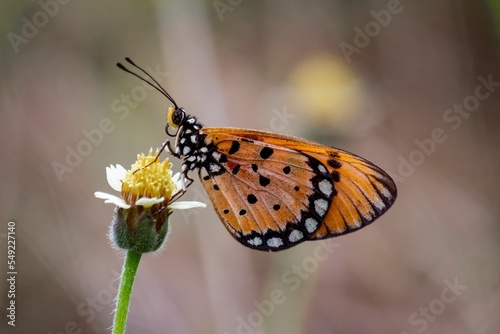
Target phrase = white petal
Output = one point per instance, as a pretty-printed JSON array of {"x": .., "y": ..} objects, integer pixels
[
  {"x": 121, "y": 171},
  {"x": 181, "y": 205},
  {"x": 149, "y": 202},
  {"x": 176, "y": 177},
  {"x": 176, "y": 180},
  {"x": 103, "y": 195},
  {"x": 115, "y": 175},
  {"x": 108, "y": 198}
]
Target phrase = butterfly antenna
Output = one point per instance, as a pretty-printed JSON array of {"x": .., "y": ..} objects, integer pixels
[{"x": 156, "y": 86}]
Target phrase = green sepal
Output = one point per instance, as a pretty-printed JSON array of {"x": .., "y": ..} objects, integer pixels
[{"x": 139, "y": 229}]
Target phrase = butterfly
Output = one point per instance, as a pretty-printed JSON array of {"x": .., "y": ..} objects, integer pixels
[{"x": 273, "y": 191}]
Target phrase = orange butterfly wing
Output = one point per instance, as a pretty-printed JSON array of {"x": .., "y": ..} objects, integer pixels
[{"x": 273, "y": 191}]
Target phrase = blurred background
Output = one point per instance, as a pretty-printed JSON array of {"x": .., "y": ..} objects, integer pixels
[{"x": 413, "y": 86}]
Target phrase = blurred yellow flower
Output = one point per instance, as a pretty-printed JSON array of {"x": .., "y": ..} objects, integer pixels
[{"x": 330, "y": 95}]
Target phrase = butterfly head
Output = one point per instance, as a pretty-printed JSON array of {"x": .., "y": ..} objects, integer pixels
[{"x": 175, "y": 116}]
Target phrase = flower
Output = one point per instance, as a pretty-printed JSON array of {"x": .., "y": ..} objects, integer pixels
[
  {"x": 145, "y": 186},
  {"x": 140, "y": 221}
]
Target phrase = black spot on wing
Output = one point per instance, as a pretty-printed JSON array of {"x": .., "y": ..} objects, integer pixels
[
  {"x": 223, "y": 158},
  {"x": 266, "y": 152},
  {"x": 251, "y": 199},
  {"x": 235, "y": 147},
  {"x": 264, "y": 181},
  {"x": 334, "y": 163},
  {"x": 236, "y": 169}
]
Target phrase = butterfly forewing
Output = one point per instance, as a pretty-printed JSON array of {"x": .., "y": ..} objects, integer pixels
[{"x": 318, "y": 191}]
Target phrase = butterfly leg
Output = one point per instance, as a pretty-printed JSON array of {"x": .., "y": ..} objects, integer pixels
[
  {"x": 186, "y": 181},
  {"x": 185, "y": 185},
  {"x": 166, "y": 145}
]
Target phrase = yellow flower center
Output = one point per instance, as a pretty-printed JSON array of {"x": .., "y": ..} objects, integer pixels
[{"x": 148, "y": 179}]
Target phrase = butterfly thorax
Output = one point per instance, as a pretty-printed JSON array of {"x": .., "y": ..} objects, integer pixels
[{"x": 191, "y": 145}]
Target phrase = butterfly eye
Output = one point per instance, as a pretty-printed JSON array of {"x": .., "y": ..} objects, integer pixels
[{"x": 175, "y": 116}]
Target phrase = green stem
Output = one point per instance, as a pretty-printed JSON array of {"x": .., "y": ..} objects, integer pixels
[{"x": 125, "y": 292}]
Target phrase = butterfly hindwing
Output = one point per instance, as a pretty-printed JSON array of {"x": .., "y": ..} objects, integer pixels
[
  {"x": 274, "y": 191},
  {"x": 268, "y": 196}
]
